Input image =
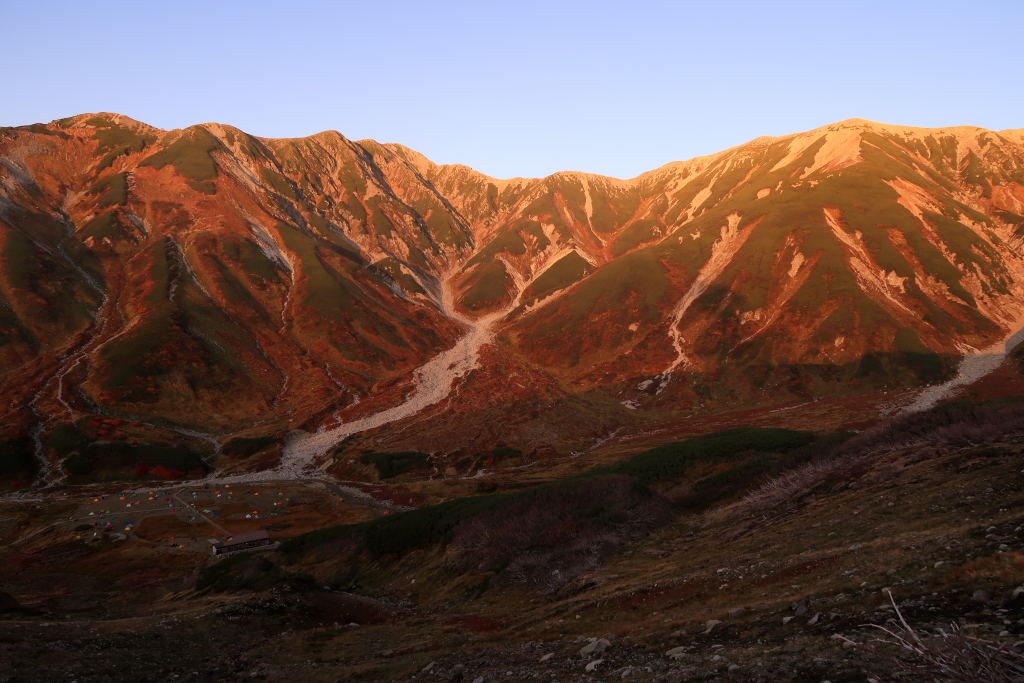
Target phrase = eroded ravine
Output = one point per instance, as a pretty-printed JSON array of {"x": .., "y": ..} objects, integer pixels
[{"x": 432, "y": 382}]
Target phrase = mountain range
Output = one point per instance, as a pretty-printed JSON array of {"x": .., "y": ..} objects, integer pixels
[{"x": 206, "y": 286}]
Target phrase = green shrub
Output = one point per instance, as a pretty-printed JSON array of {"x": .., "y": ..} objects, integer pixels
[
  {"x": 246, "y": 571},
  {"x": 240, "y": 447},
  {"x": 65, "y": 438},
  {"x": 79, "y": 464},
  {"x": 16, "y": 455},
  {"x": 400, "y": 532},
  {"x": 392, "y": 464},
  {"x": 110, "y": 456},
  {"x": 670, "y": 461},
  {"x": 502, "y": 452}
]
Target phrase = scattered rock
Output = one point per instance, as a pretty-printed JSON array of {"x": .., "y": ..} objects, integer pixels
[
  {"x": 428, "y": 667},
  {"x": 593, "y": 665},
  {"x": 891, "y": 572},
  {"x": 938, "y": 564},
  {"x": 710, "y": 624},
  {"x": 457, "y": 673},
  {"x": 981, "y": 596},
  {"x": 814, "y": 620},
  {"x": 1018, "y": 591},
  {"x": 478, "y": 679},
  {"x": 799, "y": 607},
  {"x": 786, "y": 620},
  {"x": 676, "y": 652},
  {"x": 855, "y": 547},
  {"x": 547, "y": 656},
  {"x": 594, "y": 648},
  {"x": 733, "y": 613}
]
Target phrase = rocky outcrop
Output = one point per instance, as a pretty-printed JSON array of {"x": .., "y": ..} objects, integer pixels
[{"x": 216, "y": 283}]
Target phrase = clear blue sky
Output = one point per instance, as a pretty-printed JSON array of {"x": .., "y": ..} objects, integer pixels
[{"x": 519, "y": 88}]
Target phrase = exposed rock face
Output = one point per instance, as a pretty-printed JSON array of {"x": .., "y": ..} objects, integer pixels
[{"x": 209, "y": 280}]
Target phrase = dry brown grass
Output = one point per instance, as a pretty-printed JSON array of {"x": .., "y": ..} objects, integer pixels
[
  {"x": 164, "y": 526},
  {"x": 952, "y": 657},
  {"x": 1004, "y": 569},
  {"x": 550, "y": 538}
]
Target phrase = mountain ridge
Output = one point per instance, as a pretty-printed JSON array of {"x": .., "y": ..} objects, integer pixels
[{"x": 206, "y": 280}]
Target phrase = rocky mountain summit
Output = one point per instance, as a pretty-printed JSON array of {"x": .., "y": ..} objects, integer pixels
[{"x": 201, "y": 285}]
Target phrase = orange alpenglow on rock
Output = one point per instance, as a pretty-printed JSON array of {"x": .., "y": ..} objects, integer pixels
[{"x": 851, "y": 259}]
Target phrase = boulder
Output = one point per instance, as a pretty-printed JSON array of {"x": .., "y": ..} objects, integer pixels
[{"x": 594, "y": 648}]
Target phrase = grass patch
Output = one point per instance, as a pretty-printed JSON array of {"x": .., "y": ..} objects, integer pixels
[
  {"x": 114, "y": 190},
  {"x": 190, "y": 154},
  {"x": 116, "y": 140},
  {"x": 487, "y": 287},
  {"x": 393, "y": 269},
  {"x": 278, "y": 183},
  {"x": 105, "y": 226},
  {"x": 565, "y": 272}
]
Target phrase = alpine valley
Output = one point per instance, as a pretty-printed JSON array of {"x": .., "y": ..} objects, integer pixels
[{"x": 574, "y": 407}]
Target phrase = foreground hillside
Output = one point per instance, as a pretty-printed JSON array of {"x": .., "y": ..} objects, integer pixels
[
  {"x": 742, "y": 582},
  {"x": 165, "y": 292}
]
